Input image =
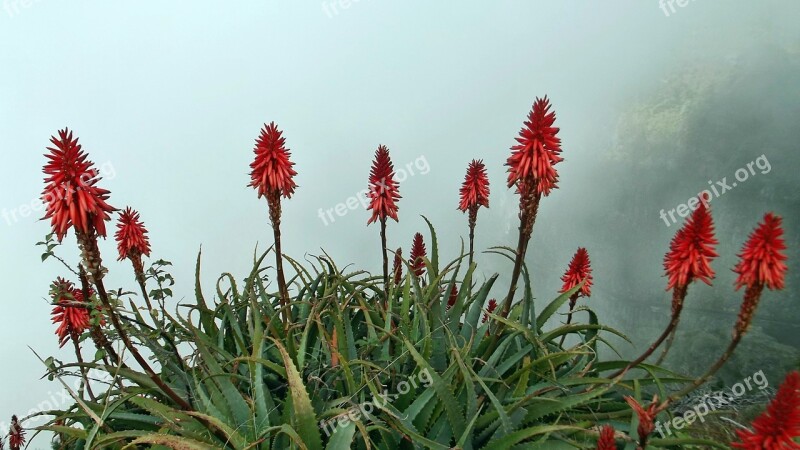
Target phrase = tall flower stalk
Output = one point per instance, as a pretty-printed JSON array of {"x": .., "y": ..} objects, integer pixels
[
  {"x": 531, "y": 169},
  {"x": 272, "y": 176},
  {"x": 579, "y": 271},
  {"x": 689, "y": 258},
  {"x": 474, "y": 193},
  {"x": 383, "y": 196},
  {"x": 761, "y": 265},
  {"x": 74, "y": 200}
]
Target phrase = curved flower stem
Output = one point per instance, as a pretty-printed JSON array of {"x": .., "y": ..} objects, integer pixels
[
  {"x": 572, "y": 301},
  {"x": 473, "y": 217},
  {"x": 678, "y": 296},
  {"x": 385, "y": 264},
  {"x": 101, "y": 291},
  {"x": 274, "y": 201},
  {"x": 84, "y": 375},
  {"x": 98, "y": 337},
  {"x": 668, "y": 347},
  {"x": 710, "y": 373},
  {"x": 529, "y": 207}
]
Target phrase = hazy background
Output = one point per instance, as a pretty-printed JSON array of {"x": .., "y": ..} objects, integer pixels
[{"x": 169, "y": 97}]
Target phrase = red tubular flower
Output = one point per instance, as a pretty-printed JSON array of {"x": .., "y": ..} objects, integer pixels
[
  {"x": 272, "y": 171},
  {"x": 606, "y": 440},
  {"x": 131, "y": 235},
  {"x": 418, "y": 252},
  {"x": 779, "y": 426},
  {"x": 646, "y": 416},
  {"x": 72, "y": 319},
  {"x": 579, "y": 269},
  {"x": 383, "y": 193},
  {"x": 475, "y": 189},
  {"x": 762, "y": 257},
  {"x": 70, "y": 193},
  {"x": 537, "y": 152},
  {"x": 691, "y": 251},
  {"x": 489, "y": 309},
  {"x": 453, "y": 297},
  {"x": 397, "y": 266},
  {"x": 16, "y": 435}
]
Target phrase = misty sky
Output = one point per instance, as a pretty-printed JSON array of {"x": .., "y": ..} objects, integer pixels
[{"x": 168, "y": 97}]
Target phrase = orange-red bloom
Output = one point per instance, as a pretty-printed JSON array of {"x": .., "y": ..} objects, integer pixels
[
  {"x": 418, "y": 252},
  {"x": 453, "y": 297},
  {"x": 72, "y": 319},
  {"x": 779, "y": 426},
  {"x": 489, "y": 309},
  {"x": 397, "y": 266},
  {"x": 647, "y": 417},
  {"x": 272, "y": 171},
  {"x": 691, "y": 250},
  {"x": 762, "y": 257},
  {"x": 606, "y": 440},
  {"x": 383, "y": 193},
  {"x": 70, "y": 191},
  {"x": 579, "y": 269},
  {"x": 475, "y": 189},
  {"x": 131, "y": 235},
  {"x": 534, "y": 158},
  {"x": 16, "y": 435}
]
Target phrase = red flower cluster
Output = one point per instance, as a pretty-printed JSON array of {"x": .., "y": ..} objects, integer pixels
[
  {"x": 417, "y": 253},
  {"x": 397, "y": 266},
  {"x": 16, "y": 435},
  {"x": 131, "y": 235},
  {"x": 606, "y": 440},
  {"x": 779, "y": 426},
  {"x": 579, "y": 269},
  {"x": 762, "y": 257},
  {"x": 453, "y": 297},
  {"x": 647, "y": 417},
  {"x": 272, "y": 171},
  {"x": 70, "y": 191},
  {"x": 475, "y": 189},
  {"x": 489, "y": 310},
  {"x": 691, "y": 251},
  {"x": 71, "y": 318},
  {"x": 534, "y": 158},
  {"x": 383, "y": 193}
]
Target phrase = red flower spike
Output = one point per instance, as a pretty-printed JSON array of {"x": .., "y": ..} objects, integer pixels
[
  {"x": 71, "y": 318},
  {"x": 131, "y": 235},
  {"x": 272, "y": 170},
  {"x": 579, "y": 269},
  {"x": 779, "y": 426},
  {"x": 70, "y": 193},
  {"x": 606, "y": 440},
  {"x": 538, "y": 149},
  {"x": 489, "y": 310},
  {"x": 453, "y": 297},
  {"x": 397, "y": 266},
  {"x": 418, "y": 252},
  {"x": 762, "y": 257},
  {"x": 383, "y": 193},
  {"x": 647, "y": 417},
  {"x": 16, "y": 435},
  {"x": 475, "y": 189},
  {"x": 691, "y": 250}
]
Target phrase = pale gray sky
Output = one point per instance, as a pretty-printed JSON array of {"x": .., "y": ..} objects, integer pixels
[{"x": 169, "y": 97}]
